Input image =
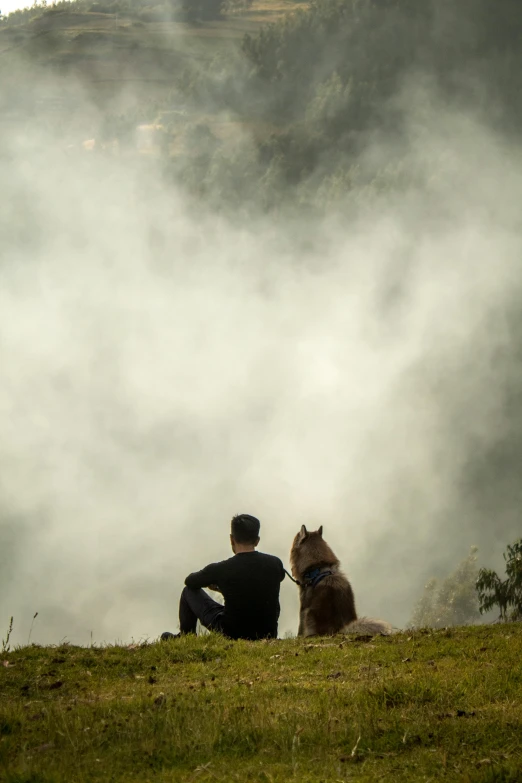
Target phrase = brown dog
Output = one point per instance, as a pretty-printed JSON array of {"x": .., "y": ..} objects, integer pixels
[{"x": 327, "y": 602}]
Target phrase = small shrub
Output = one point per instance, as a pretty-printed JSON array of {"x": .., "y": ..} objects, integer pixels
[
  {"x": 506, "y": 594},
  {"x": 5, "y": 642},
  {"x": 451, "y": 602}
]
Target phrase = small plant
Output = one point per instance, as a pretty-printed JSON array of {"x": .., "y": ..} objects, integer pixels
[
  {"x": 31, "y": 628},
  {"x": 506, "y": 594},
  {"x": 5, "y": 642}
]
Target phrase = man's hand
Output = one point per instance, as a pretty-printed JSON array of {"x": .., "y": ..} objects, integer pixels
[{"x": 215, "y": 588}]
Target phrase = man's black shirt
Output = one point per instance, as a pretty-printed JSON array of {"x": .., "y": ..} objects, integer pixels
[{"x": 250, "y": 584}]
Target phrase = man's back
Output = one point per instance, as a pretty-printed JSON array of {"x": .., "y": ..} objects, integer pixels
[{"x": 250, "y": 583}]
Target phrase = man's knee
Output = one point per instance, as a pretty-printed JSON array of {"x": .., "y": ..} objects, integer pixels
[{"x": 189, "y": 592}]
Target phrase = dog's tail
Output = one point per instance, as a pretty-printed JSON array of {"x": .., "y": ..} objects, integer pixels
[{"x": 368, "y": 626}]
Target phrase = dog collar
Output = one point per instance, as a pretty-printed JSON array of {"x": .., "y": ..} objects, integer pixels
[{"x": 314, "y": 576}]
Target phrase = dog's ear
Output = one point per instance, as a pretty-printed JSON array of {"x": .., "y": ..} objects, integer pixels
[
  {"x": 303, "y": 533},
  {"x": 320, "y": 531}
]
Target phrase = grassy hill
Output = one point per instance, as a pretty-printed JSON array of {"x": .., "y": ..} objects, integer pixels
[
  {"x": 426, "y": 705},
  {"x": 111, "y": 48},
  {"x": 82, "y": 70}
]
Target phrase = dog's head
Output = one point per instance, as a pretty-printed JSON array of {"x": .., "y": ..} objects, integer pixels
[
  {"x": 306, "y": 535},
  {"x": 309, "y": 548}
]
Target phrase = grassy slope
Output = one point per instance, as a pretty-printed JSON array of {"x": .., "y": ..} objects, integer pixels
[
  {"x": 107, "y": 52},
  {"x": 66, "y": 68},
  {"x": 422, "y": 706}
]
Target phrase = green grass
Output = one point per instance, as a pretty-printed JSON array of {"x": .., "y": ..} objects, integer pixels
[{"x": 428, "y": 705}]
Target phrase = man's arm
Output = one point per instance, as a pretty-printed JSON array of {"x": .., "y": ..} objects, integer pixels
[{"x": 207, "y": 577}]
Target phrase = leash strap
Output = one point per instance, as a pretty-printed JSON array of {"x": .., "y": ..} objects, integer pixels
[
  {"x": 312, "y": 577},
  {"x": 291, "y": 577}
]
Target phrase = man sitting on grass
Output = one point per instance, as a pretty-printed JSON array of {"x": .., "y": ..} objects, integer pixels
[{"x": 249, "y": 582}]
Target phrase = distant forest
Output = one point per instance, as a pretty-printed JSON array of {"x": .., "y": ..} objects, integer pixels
[
  {"x": 346, "y": 75},
  {"x": 331, "y": 81}
]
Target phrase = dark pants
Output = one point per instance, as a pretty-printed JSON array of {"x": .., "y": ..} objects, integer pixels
[{"x": 197, "y": 605}]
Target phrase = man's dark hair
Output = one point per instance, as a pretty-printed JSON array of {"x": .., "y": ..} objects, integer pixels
[{"x": 245, "y": 528}]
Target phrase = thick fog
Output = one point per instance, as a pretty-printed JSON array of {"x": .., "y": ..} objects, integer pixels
[
  {"x": 164, "y": 367},
  {"x": 11, "y": 5}
]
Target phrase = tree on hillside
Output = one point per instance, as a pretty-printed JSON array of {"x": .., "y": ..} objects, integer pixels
[
  {"x": 330, "y": 72},
  {"x": 506, "y": 594},
  {"x": 202, "y": 10},
  {"x": 324, "y": 81},
  {"x": 451, "y": 602}
]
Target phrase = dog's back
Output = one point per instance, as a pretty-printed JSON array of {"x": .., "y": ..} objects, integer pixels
[{"x": 327, "y": 599}]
